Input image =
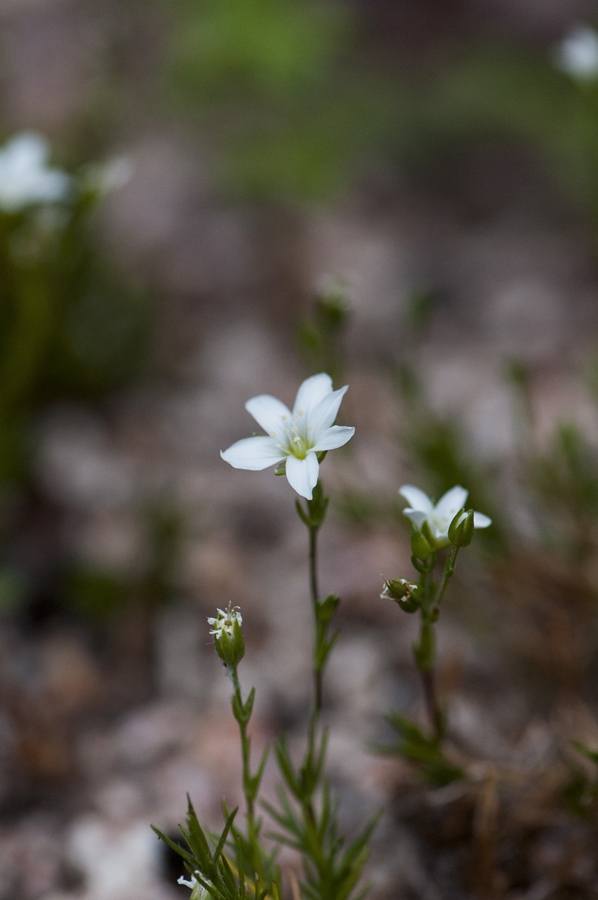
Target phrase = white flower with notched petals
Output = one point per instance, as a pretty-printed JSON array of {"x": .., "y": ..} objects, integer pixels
[
  {"x": 438, "y": 517},
  {"x": 577, "y": 54},
  {"x": 295, "y": 437},
  {"x": 25, "y": 178}
]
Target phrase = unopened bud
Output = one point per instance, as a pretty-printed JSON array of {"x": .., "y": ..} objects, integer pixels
[
  {"x": 420, "y": 546},
  {"x": 460, "y": 531}
]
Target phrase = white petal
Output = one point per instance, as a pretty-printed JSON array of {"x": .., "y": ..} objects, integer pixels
[
  {"x": 334, "y": 437},
  {"x": 323, "y": 416},
  {"x": 253, "y": 453},
  {"x": 417, "y": 516},
  {"x": 303, "y": 474},
  {"x": 27, "y": 150},
  {"x": 481, "y": 521},
  {"x": 416, "y": 498},
  {"x": 268, "y": 412},
  {"x": 450, "y": 503},
  {"x": 311, "y": 392}
]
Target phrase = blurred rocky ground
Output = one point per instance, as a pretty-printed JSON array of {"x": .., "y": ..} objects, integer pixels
[{"x": 104, "y": 728}]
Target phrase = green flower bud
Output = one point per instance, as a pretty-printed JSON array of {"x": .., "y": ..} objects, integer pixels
[
  {"x": 420, "y": 546},
  {"x": 403, "y": 592},
  {"x": 228, "y": 635},
  {"x": 461, "y": 528}
]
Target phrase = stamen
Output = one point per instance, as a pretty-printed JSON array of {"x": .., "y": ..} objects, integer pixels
[{"x": 300, "y": 412}]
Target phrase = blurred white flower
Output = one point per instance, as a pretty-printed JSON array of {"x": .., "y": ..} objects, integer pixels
[
  {"x": 109, "y": 176},
  {"x": 296, "y": 437},
  {"x": 25, "y": 178},
  {"x": 438, "y": 517},
  {"x": 577, "y": 54}
]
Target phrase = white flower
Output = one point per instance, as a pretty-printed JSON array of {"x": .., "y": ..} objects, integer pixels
[
  {"x": 296, "y": 437},
  {"x": 198, "y": 892},
  {"x": 224, "y": 622},
  {"x": 102, "y": 178},
  {"x": 25, "y": 178},
  {"x": 438, "y": 518},
  {"x": 577, "y": 54}
]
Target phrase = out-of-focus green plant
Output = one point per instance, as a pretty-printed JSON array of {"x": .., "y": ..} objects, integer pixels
[
  {"x": 295, "y": 99},
  {"x": 562, "y": 476},
  {"x": 320, "y": 336},
  {"x": 70, "y": 326},
  {"x": 483, "y": 91},
  {"x": 280, "y": 93},
  {"x": 580, "y": 795}
]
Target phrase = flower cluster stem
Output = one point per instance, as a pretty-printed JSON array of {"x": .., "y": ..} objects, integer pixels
[{"x": 425, "y": 650}]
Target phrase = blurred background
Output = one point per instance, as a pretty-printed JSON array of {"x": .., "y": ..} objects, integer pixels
[{"x": 242, "y": 193}]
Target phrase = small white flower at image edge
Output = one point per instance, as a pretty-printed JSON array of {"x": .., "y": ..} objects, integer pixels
[
  {"x": 439, "y": 516},
  {"x": 25, "y": 177},
  {"x": 293, "y": 437},
  {"x": 198, "y": 892},
  {"x": 577, "y": 54}
]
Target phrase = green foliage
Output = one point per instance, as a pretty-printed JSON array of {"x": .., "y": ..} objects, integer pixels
[
  {"x": 512, "y": 90},
  {"x": 286, "y": 116},
  {"x": 270, "y": 48},
  {"x": 331, "y": 869},
  {"x": 565, "y": 482},
  {"x": 423, "y": 751},
  {"x": 69, "y": 326},
  {"x": 224, "y": 877},
  {"x": 580, "y": 795},
  {"x": 95, "y": 593},
  {"x": 320, "y": 336}
]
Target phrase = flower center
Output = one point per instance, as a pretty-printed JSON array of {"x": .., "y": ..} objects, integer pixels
[{"x": 297, "y": 437}]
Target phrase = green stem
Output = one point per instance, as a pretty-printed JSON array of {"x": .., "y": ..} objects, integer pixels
[
  {"x": 449, "y": 570},
  {"x": 432, "y": 703},
  {"x": 245, "y": 752},
  {"x": 313, "y": 584},
  {"x": 426, "y": 651}
]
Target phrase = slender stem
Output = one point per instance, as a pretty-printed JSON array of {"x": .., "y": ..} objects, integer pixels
[
  {"x": 432, "y": 703},
  {"x": 449, "y": 569},
  {"x": 426, "y": 659},
  {"x": 313, "y": 584},
  {"x": 313, "y": 567},
  {"x": 245, "y": 752}
]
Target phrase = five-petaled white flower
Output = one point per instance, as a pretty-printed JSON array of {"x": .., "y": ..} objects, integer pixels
[
  {"x": 224, "y": 622},
  {"x": 438, "y": 517},
  {"x": 577, "y": 54},
  {"x": 296, "y": 437},
  {"x": 25, "y": 178}
]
